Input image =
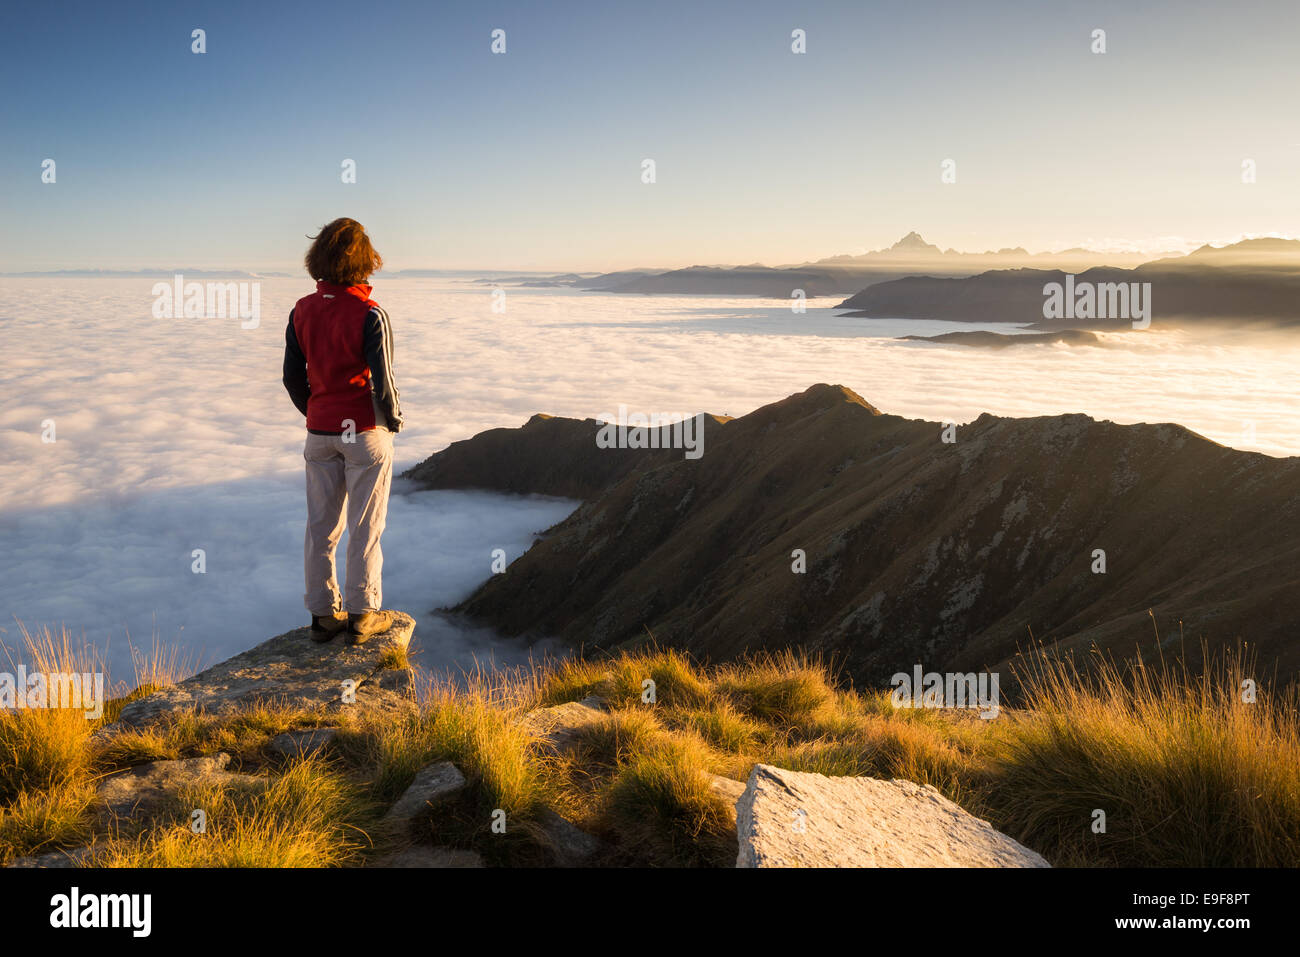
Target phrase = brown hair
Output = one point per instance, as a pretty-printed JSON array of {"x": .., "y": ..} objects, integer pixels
[{"x": 342, "y": 254}]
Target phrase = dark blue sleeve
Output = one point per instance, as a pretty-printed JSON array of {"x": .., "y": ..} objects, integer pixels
[
  {"x": 378, "y": 345},
  {"x": 295, "y": 369}
]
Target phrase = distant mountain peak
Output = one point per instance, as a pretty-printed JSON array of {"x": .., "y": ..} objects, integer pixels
[
  {"x": 825, "y": 394},
  {"x": 913, "y": 242}
]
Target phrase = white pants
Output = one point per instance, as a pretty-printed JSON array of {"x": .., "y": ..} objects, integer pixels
[{"x": 357, "y": 474}]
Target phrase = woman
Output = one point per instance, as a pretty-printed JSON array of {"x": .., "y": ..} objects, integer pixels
[{"x": 338, "y": 356}]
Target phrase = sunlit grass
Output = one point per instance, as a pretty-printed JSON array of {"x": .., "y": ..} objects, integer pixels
[
  {"x": 306, "y": 816},
  {"x": 44, "y": 748},
  {"x": 1186, "y": 772}
]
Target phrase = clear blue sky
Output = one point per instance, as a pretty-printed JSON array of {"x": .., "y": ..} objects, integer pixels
[{"x": 532, "y": 159}]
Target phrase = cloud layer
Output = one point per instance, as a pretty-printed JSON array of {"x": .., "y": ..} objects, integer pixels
[{"x": 175, "y": 434}]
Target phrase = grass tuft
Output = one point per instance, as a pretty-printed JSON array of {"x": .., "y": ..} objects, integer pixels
[
  {"x": 782, "y": 689},
  {"x": 665, "y": 813},
  {"x": 308, "y": 816}
]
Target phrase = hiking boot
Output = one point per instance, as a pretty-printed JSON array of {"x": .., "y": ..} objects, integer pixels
[
  {"x": 325, "y": 627},
  {"x": 366, "y": 624}
]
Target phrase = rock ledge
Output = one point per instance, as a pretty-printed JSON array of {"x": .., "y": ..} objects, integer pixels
[{"x": 289, "y": 669}]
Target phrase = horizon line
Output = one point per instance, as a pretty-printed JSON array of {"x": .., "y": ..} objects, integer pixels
[{"x": 283, "y": 271}]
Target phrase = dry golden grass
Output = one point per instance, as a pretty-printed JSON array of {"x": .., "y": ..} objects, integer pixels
[
  {"x": 306, "y": 816},
  {"x": 472, "y": 727},
  {"x": 1186, "y": 772},
  {"x": 660, "y": 806},
  {"x": 783, "y": 690},
  {"x": 39, "y": 821},
  {"x": 43, "y": 749},
  {"x": 616, "y": 738}
]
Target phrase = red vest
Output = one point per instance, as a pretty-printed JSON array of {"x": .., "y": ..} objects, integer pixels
[{"x": 328, "y": 324}]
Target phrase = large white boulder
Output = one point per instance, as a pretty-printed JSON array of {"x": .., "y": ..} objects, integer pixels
[{"x": 795, "y": 819}]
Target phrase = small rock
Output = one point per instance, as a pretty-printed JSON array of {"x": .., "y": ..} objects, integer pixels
[
  {"x": 387, "y": 696},
  {"x": 306, "y": 742},
  {"x": 146, "y": 788},
  {"x": 106, "y": 733},
  {"x": 422, "y": 856},
  {"x": 431, "y": 784},
  {"x": 727, "y": 788},
  {"x": 794, "y": 819},
  {"x": 559, "y": 727},
  {"x": 570, "y": 844}
]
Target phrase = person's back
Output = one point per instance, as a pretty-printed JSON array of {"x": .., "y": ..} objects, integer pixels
[{"x": 338, "y": 371}]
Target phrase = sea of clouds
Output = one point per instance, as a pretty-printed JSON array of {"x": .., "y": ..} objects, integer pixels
[{"x": 176, "y": 434}]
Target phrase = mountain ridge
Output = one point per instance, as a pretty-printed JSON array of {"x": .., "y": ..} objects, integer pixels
[
  {"x": 1254, "y": 280},
  {"x": 916, "y": 549},
  {"x": 841, "y": 274}
]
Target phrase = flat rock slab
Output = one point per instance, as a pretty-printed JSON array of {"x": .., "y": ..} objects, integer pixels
[
  {"x": 146, "y": 788},
  {"x": 431, "y": 784},
  {"x": 289, "y": 669},
  {"x": 560, "y": 727},
  {"x": 429, "y": 857},
  {"x": 794, "y": 819},
  {"x": 309, "y": 741}
]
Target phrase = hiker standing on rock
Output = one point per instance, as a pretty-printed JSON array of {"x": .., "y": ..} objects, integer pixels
[{"x": 338, "y": 369}]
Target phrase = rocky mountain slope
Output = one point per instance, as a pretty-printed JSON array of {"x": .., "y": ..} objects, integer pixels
[{"x": 917, "y": 550}]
